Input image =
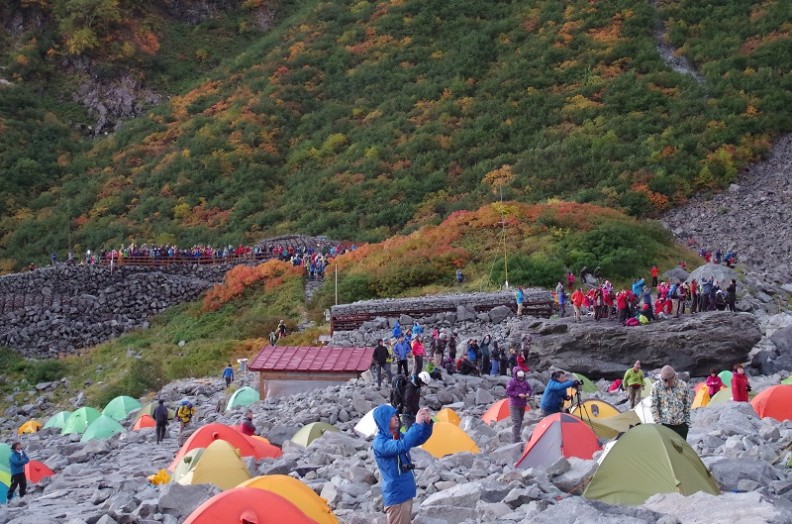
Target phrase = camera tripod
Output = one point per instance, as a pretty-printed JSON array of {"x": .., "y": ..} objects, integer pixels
[{"x": 577, "y": 400}]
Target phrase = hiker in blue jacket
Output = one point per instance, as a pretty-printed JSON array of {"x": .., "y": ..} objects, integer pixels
[
  {"x": 17, "y": 461},
  {"x": 555, "y": 393},
  {"x": 228, "y": 375},
  {"x": 392, "y": 453},
  {"x": 401, "y": 350}
]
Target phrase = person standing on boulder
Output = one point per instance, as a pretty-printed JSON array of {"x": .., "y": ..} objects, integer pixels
[
  {"x": 392, "y": 454},
  {"x": 739, "y": 384},
  {"x": 412, "y": 397},
  {"x": 419, "y": 352},
  {"x": 731, "y": 295},
  {"x": 577, "y": 304},
  {"x": 380, "y": 359},
  {"x": 654, "y": 272},
  {"x": 160, "y": 416},
  {"x": 401, "y": 350},
  {"x": 519, "y": 297},
  {"x": 714, "y": 383},
  {"x": 16, "y": 462},
  {"x": 633, "y": 382},
  {"x": 671, "y": 402},
  {"x": 518, "y": 390}
]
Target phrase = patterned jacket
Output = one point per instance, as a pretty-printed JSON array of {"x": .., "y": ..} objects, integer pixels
[{"x": 671, "y": 405}]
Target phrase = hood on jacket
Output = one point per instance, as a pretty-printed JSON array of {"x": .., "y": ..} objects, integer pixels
[{"x": 382, "y": 416}]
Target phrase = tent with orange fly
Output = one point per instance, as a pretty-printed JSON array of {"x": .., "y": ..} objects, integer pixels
[
  {"x": 558, "y": 435},
  {"x": 207, "y": 434},
  {"x": 145, "y": 421},
  {"x": 498, "y": 411},
  {"x": 248, "y": 505},
  {"x": 35, "y": 471}
]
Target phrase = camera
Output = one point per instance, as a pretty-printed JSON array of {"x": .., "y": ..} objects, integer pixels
[
  {"x": 576, "y": 384},
  {"x": 408, "y": 467}
]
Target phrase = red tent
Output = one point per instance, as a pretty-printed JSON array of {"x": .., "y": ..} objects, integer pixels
[
  {"x": 247, "y": 505},
  {"x": 145, "y": 421},
  {"x": 498, "y": 411},
  {"x": 774, "y": 402},
  {"x": 35, "y": 471},
  {"x": 558, "y": 435},
  {"x": 207, "y": 434}
]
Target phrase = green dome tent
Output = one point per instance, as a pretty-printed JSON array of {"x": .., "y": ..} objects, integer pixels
[
  {"x": 79, "y": 421},
  {"x": 588, "y": 386},
  {"x": 5, "y": 453},
  {"x": 647, "y": 460},
  {"x": 242, "y": 397},
  {"x": 726, "y": 377},
  {"x": 311, "y": 432},
  {"x": 58, "y": 420},
  {"x": 120, "y": 407},
  {"x": 787, "y": 380},
  {"x": 102, "y": 428}
]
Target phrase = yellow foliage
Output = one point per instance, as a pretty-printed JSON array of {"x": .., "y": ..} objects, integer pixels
[{"x": 579, "y": 103}]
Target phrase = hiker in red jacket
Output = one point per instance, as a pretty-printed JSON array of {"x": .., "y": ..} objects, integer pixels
[
  {"x": 577, "y": 303},
  {"x": 739, "y": 384},
  {"x": 654, "y": 272}
]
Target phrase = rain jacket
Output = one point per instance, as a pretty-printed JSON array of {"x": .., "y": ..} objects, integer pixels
[
  {"x": 392, "y": 454},
  {"x": 515, "y": 388},
  {"x": 17, "y": 461},
  {"x": 739, "y": 385},
  {"x": 714, "y": 384},
  {"x": 402, "y": 349},
  {"x": 553, "y": 395},
  {"x": 418, "y": 348}
]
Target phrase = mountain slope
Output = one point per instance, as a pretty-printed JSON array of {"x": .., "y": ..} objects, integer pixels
[{"x": 359, "y": 119}]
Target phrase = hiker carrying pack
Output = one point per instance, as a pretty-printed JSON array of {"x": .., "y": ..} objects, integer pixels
[{"x": 398, "y": 388}]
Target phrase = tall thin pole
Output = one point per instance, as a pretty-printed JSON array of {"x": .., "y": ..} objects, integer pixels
[
  {"x": 503, "y": 226},
  {"x": 336, "y": 283}
]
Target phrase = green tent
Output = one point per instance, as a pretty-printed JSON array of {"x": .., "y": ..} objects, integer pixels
[
  {"x": 79, "y": 421},
  {"x": 721, "y": 397},
  {"x": 647, "y": 460},
  {"x": 242, "y": 397},
  {"x": 149, "y": 408},
  {"x": 726, "y": 376},
  {"x": 58, "y": 420},
  {"x": 311, "y": 432},
  {"x": 102, "y": 428},
  {"x": 120, "y": 407},
  {"x": 787, "y": 380},
  {"x": 647, "y": 389},
  {"x": 5, "y": 483},
  {"x": 188, "y": 462},
  {"x": 588, "y": 385},
  {"x": 5, "y": 454}
]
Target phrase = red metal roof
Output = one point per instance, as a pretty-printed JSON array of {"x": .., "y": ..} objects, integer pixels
[{"x": 312, "y": 359}]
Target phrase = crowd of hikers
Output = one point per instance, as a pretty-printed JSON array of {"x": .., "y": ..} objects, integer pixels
[
  {"x": 642, "y": 303},
  {"x": 313, "y": 258}
]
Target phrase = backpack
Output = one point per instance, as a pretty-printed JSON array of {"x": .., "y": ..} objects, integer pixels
[{"x": 398, "y": 389}]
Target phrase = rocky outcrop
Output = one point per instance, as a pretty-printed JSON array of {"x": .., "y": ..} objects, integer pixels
[
  {"x": 694, "y": 343},
  {"x": 114, "y": 100},
  {"x": 752, "y": 217}
]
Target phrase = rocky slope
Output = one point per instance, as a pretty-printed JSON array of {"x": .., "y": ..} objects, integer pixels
[
  {"x": 104, "y": 481},
  {"x": 752, "y": 218}
]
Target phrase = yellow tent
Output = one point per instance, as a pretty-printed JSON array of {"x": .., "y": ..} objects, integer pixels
[
  {"x": 701, "y": 399},
  {"x": 610, "y": 427},
  {"x": 721, "y": 397},
  {"x": 188, "y": 462},
  {"x": 594, "y": 409},
  {"x": 297, "y": 493},
  {"x": 448, "y": 439},
  {"x": 31, "y": 426},
  {"x": 219, "y": 465},
  {"x": 448, "y": 415}
]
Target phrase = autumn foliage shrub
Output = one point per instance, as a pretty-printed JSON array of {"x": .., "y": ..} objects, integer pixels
[{"x": 241, "y": 278}]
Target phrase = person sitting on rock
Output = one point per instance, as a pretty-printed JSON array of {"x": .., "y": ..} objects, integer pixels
[
  {"x": 466, "y": 367},
  {"x": 247, "y": 427}
]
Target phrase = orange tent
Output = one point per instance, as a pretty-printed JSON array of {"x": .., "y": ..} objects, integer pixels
[
  {"x": 35, "y": 471},
  {"x": 498, "y": 411},
  {"x": 207, "y": 434},
  {"x": 251, "y": 505},
  {"x": 558, "y": 435},
  {"x": 145, "y": 421},
  {"x": 774, "y": 402}
]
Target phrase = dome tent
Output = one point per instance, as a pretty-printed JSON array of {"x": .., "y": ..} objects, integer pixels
[
  {"x": 667, "y": 464},
  {"x": 558, "y": 435}
]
